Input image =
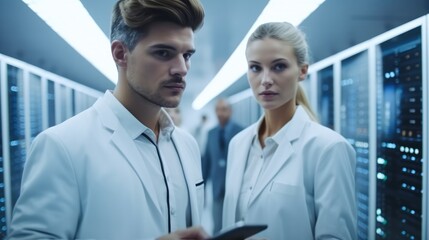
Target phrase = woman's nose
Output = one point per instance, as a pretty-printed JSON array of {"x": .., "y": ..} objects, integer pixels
[{"x": 266, "y": 79}]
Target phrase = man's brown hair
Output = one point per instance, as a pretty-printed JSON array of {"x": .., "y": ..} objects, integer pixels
[{"x": 130, "y": 18}]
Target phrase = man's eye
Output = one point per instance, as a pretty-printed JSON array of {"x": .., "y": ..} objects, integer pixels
[
  {"x": 187, "y": 56},
  {"x": 162, "y": 53}
]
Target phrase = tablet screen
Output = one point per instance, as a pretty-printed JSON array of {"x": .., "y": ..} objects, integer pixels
[{"x": 239, "y": 232}]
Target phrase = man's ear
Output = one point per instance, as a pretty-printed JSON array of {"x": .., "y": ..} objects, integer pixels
[
  {"x": 304, "y": 71},
  {"x": 119, "y": 53}
]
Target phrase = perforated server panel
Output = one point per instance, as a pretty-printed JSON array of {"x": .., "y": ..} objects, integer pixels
[
  {"x": 325, "y": 78},
  {"x": 36, "y": 117},
  {"x": 3, "y": 228},
  {"x": 82, "y": 101},
  {"x": 51, "y": 103},
  {"x": 354, "y": 127},
  {"x": 64, "y": 106},
  {"x": 17, "y": 145},
  {"x": 399, "y": 137},
  {"x": 73, "y": 102}
]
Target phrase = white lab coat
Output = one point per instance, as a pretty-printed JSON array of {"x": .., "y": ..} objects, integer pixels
[
  {"x": 85, "y": 179},
  {"x": 308, "y": 189}
]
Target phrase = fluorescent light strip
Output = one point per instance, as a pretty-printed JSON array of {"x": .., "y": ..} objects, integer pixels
[
  {"x": 236, "y": 66},
  {"x": 73, "y": 23},
  {"x": 238, "y": 97}
]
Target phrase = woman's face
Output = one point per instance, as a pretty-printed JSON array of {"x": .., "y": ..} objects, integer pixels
[{"x": 273, "y": 72}]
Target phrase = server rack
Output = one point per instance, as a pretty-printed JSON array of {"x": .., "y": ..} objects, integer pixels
[
  {"x": 51, "y": 104},
  {"x": 351, "y": 116},
  {"x": 325, "y": 105},
  {"x": 3, "y": 227},
  {"x": 385, "y": 129},
  {"x": 354, "y": 127},
  {"x": 16, "y": 118},
  {"x": 32, "y": 100},
  {"x": 425, "y": 77},
  {"x": 35, "y": 102},
  {"x": 399, "y": 137}
]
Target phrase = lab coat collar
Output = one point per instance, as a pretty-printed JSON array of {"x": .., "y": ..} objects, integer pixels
[
  {"x": 131, "y": 124},
  {"x": 285, "y": 137},
  {"x": 124, "y": 142},
  {"x": 286, "y": 132}
]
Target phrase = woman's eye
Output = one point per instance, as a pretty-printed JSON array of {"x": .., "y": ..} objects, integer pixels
[
  {"x": 254, "y": 68},
  {"x": 280, "y": 67}
]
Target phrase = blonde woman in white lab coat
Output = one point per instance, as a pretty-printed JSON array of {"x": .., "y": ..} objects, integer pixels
[{"x": 286, "y": 170}]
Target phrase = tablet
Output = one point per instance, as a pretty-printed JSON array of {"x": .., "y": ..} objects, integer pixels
[{"x": 240, "y": 232}]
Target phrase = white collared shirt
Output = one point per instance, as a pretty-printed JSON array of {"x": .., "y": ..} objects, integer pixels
[
  {"x": 180, "y": 211},
  {"x": 257, "y": 161}
]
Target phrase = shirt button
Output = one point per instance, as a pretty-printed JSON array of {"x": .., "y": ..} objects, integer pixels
[{"x": 172, "y": 211}]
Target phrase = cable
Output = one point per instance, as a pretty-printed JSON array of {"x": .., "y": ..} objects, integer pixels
[{"x": 165, "y": 180}]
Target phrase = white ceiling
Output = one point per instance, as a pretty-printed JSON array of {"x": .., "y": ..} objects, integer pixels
[{"x": 335, "y": 26}]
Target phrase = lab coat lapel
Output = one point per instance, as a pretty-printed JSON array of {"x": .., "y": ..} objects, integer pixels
[
  {"x": 235, "y": 171},
  {"x": 128, "y": 148},
  {"x": 124, "y": 144},
  {"x": 188, "y": 170},
  {"x": 283, "y": 152},
  {"x": 280, "y": 158}
]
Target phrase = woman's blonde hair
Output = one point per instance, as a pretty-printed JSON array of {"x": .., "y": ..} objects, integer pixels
[
  {"x": 302, "y": 100},
  {"x": 294, "y": 37}
]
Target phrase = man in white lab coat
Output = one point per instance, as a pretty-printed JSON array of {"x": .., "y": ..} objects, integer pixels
[{"x": 121, "y": 170}]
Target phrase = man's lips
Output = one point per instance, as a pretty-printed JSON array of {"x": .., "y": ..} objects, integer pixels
[{"x": 175, "y": 86}]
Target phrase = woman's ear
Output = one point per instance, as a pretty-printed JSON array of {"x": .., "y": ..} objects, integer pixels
[
  {"x": 304, "y": 71},
  {"x": 119, "y": 53}
]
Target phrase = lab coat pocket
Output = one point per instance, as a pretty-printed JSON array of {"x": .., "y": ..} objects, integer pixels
[{"x": 282, "y": 188}]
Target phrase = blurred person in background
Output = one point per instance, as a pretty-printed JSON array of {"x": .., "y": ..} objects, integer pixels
[
  {"x": 120, "y": 169},
  {"x": 200, "y": 132},
  {"x": 286, "y": 170},
  {"x": 214, "y": 158}
]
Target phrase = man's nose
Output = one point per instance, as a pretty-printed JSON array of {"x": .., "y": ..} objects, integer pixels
[{"x": 180, "y": 67}]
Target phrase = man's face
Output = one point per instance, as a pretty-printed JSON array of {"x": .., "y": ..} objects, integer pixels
[
  {"x": 157, "y": 66},
  {"x": 223, "y": 112}
]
